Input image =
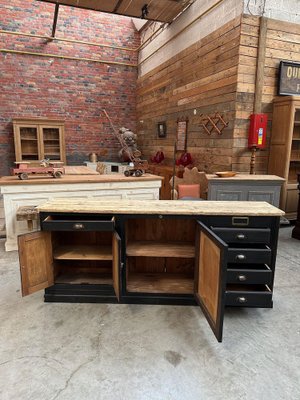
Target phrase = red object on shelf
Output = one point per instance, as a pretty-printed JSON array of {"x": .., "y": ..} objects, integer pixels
[
  {"x": 158, "y": 158},
  {"x": 258, "y": 131},
  {"x": 185, "y": 159}
]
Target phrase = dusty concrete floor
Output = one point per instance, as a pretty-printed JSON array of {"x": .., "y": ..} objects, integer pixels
[{"x": 136, "y": 352}]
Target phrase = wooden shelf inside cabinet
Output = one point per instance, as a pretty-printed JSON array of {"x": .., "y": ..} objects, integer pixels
[
  {"x": 160, "y": 283},
  {"x": 160, "y": 249},
  {"x": 82, "y": 278},
  {"x": 83, "y": 253}
]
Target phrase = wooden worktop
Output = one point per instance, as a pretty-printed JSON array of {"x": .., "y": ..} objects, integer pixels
[
  {"x": 171, "y": 207},
  {"x": 66, "y": 179},
  {"x": 246, "y": 177}
]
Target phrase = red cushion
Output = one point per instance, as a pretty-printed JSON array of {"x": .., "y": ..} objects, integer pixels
[{"x": 189, "y": 191}]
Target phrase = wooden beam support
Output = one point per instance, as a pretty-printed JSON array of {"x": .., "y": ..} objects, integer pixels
[
  {"x": 55, "y": 20},
  {"x": 117, "y": 6},
  {"x": 260, "y": 66}
]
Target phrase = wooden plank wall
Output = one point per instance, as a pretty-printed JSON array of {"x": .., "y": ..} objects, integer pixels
[
  {"x": 282, "y": 43},
  {"x": 203, "y": 78},
  {"x": 216, "y": 74}
]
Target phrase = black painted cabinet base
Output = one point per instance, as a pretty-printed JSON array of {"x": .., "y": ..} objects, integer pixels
[{"x": 66, "y": 293}]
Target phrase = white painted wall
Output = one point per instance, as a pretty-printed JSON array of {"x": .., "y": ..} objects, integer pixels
[
  {"x": 225, "y": 11},
  {"x": 283, "y": 10}
]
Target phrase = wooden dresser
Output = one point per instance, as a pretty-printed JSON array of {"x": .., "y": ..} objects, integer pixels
[{"x": 154, "y": 252}]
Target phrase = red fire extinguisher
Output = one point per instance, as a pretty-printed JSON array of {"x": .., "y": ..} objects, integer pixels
[
  {"x": 258, "y": 131},
  {"x": 257, "y": 135}
]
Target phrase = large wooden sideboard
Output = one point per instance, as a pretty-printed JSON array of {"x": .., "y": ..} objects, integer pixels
[
  {"x": 37, "y": 190},
  {"x": 154, "y": 252}
]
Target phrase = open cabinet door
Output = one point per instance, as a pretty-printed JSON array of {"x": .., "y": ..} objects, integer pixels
[
  {"x": 36, "y": 261},
  {"x": 116, "y": 247},
  {"x": 210, "y": 279}
]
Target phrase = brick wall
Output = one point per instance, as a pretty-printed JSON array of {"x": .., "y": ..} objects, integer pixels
[{"x": 34, "y": 86}]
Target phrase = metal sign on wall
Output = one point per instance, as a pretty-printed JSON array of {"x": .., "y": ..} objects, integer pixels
[{"x": 289, "y": 78}]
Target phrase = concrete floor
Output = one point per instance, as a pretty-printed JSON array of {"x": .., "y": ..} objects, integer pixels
[{"x": 136, "y": 352}]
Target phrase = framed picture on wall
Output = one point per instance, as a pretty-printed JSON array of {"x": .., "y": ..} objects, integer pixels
[
  {"x": 181, "y": 135},
  {"x": 161, "y": 129}
]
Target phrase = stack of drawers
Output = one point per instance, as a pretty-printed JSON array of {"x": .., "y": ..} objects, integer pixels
[{"x": 250, "y": 269}]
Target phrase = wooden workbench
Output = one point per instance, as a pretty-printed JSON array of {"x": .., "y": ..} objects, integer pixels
[{"x": 37, "y": 190}]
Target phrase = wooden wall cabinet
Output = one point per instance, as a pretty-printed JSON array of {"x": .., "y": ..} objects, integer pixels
[
  {"x": 284, "y": 157},
  {"x": 37, "y": 139},
  {"x": 162, "y": 257}
]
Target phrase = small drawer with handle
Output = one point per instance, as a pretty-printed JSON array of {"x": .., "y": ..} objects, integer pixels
[
  {"x": 243, "y": 235},
  {"x": 260, "y": 254},
  {"x": 61, "y": 223},
  {"x": 248, "y": 274},
  {"x": 248, "y": 296}
]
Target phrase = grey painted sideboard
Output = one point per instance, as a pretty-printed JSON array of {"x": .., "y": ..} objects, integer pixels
[{"x": 245, "y": 188}]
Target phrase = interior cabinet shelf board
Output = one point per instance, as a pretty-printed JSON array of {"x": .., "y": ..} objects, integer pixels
[
  {"x": 160, "y": 249},
  {"x": 82, "y": 252},
  {"x": 84, "y": 278},
  {"x": 160, "y": 283}
]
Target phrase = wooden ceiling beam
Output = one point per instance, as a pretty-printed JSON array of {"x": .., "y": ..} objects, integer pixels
[
  {"x": 119, "y": 3},
  {"x": 55, "y": 20},
  {"x": 158, "y": 10}
]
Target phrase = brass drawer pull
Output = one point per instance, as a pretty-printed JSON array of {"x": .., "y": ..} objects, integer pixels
[
  {"x": 242, "y": 300},
  {"x": 240, "y": 257},
  {"x": 78, "y": 226},
  {"x": 241, "y": 236},
  {"x": 242, "y": 278}
]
